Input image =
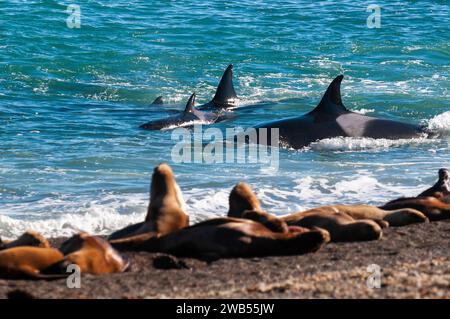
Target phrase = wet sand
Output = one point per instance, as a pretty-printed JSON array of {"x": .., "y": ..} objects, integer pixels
[{"x": 414, "y": 261}]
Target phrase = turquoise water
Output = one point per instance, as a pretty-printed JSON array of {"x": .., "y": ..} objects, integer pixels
[{"x": 71, "y": 100}]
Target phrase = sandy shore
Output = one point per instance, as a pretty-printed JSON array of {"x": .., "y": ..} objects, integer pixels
[{"x": 414, "y": 261}]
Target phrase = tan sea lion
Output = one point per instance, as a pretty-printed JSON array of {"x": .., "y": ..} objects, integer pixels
[
  {"x": 441, "y": 188},
  {"x": 93, "y": 255},
  {"x": 431, "y": 207},
  {"x": 244, "y": 204},
  {"x": 342, "y": 227},
  {"x": 27, "y": 262},
  {"x": 228, "y": 237},
  {"x": 242, "y": 199},
  {"x": 166, "y": 211},
  {"x": 29, "y": 238},
  {"x": 394, "y": 218}
]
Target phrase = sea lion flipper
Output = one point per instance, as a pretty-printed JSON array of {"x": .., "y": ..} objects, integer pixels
[
  {"x": 136, "y": 242},
  {"x": 33, "y": 273},
  {"x": 270, "y": 221},
  {"x": 127, "y": 231},
  {"x": 303, "y": 243}
]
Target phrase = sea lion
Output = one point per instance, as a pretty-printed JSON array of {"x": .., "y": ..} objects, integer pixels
[
  {"x": 93, "y": 255},
  {"x": 27, "y": 262},
  {"x": 441, "y": 188},
  {"x": 166, "y": 211},
  {"x": 241, "y": 199},
  {"x": 395, "y": 218},
  {"x": 445, "y": 199},
  {"x": 433, "y": 208},
  {"x": 342, "y": 227},
  {"x": 29, "y": 238},
  {"x": 226, "y": 238},
  {"x": 244, "y": 204}
]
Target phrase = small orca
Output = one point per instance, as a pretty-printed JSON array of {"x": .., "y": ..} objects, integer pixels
[
  {"x": 224, "y": 98},
  {"x": 158, "y": 101},
  {"x": 190, "y": 114},
  {"x": 332, "y": 119}
]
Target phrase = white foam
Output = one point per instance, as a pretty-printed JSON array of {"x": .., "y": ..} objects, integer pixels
[
  {"x": 67, "y": 216},
  {"x": 364, "y": 111},
  {"x": 64, "y": 216},
  {"x": 364, "y": 143},
  {"x": 185, "y": 124},
  {"x": 440, "y": 123}
]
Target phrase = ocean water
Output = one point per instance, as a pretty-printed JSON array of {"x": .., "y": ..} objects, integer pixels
[{"x": 71, "y": 99}]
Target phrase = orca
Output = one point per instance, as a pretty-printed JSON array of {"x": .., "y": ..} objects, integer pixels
[
  {"x": 225, "y": 96},
  {"x": 158, "y": 101},
  {"x": 214, "y": 111},
  {"x": 332, "y": 119},
  {"x": 186, "y": 117}
]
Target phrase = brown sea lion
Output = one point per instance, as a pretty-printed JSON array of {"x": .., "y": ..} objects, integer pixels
[
  {"x": 395, "y": 218},
  {"x": 342, "y": 227},
  {"x": 441, "y": 188},
  {"x": 228, "y": 237},
  {"x": 242, "y": 199},
  {"x": 244, "y": 204},
  {"x": 445, "y": 199},
  {"x": 166, "y": 210},
  {"x": 27, "y": 262},
  {"x": 93, "y": 255},
  {"x": 29, "y": 238},
  {"x": 431, "y": 207}
]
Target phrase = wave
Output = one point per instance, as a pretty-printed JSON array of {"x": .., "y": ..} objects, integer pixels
[
  {"x": 365, "y": 143},
  {"x": 66, "y": 216},
  {"x": 112, "y": 212},
  {"x": 440, "y": 123}
]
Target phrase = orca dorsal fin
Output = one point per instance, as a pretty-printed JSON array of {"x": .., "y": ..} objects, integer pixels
[
  {"x": 158, "y": 100},
  {"x": 225, "y": 94},
  {"x": 190, "y": 104},
  {"x": 331, "y": 101}
]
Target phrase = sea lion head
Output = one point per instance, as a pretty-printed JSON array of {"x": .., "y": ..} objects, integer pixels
[
  {"x": 242, "y": 199},
  {"x": 270, "y": 221},
  {"x": 29, "y": 238},
  {"x": 74, "y": 243},
  {"x": 444, "y": 175},
  {"x": 92, "y": 254},
  {"x": 362, "y": 230},
  {"x": 167, "y": 209}
]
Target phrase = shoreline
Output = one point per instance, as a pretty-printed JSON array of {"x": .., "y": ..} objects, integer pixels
[{"x": 414, "y": 262}]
